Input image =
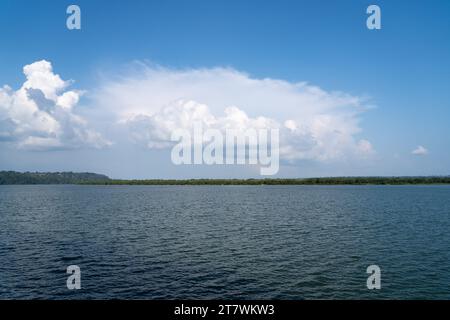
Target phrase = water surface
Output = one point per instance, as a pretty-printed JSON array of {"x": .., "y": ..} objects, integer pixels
[{"x": 224, "y": 242}]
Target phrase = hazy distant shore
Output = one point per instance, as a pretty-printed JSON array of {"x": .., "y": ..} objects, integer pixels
[
  {"x": 87, "y": 178},
  {"x": 308, "y": 181}
]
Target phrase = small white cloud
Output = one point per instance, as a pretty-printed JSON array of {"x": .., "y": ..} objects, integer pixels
[
  {"x": 420, "y": 151},
  {"x": 39, "y": 115},
  {"x": 365, "y": 147}
]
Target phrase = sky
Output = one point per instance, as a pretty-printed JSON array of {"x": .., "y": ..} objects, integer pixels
[{"x": 347, "y": 101}]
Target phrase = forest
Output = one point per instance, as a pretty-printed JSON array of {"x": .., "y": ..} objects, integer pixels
[{"x": 87, "y": 178}]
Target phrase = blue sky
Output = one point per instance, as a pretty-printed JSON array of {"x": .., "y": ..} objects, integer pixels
[{"x": 402, "y": 70}]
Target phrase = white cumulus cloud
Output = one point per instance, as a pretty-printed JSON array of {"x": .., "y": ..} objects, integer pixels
[
  {"x": 420, "y": 151},
  {"x": 40, "y": 116},
  {"x": 314, "y": 124}
]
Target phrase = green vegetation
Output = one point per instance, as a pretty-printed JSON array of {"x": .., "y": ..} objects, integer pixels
[
  {"x": 308, "y": 181},
  {"x": 13, "y": 177},
  {"x": 86, "y": 178}
]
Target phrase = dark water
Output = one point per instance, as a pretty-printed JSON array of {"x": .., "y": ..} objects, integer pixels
[{"x": 240, "y": 242}]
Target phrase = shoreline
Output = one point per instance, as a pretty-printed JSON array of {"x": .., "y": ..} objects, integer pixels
[{"x": 87, "y": 178}]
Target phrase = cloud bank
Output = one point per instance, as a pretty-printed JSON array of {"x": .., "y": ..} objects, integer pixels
[
  {"x": 314, "y": 124},
  {"x": 151, "y": 102},
  {"x": 40, "y": 114}
]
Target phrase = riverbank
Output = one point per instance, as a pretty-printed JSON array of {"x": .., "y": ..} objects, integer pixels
[
  {"x": 87, "y": 178},
  {"x": 306, "y": 181}
]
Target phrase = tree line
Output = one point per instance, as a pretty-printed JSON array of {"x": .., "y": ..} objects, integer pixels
[{"x": 87, "y": 178}]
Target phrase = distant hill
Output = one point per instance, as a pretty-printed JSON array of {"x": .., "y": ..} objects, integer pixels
[{"x": 13, "y": 177}]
